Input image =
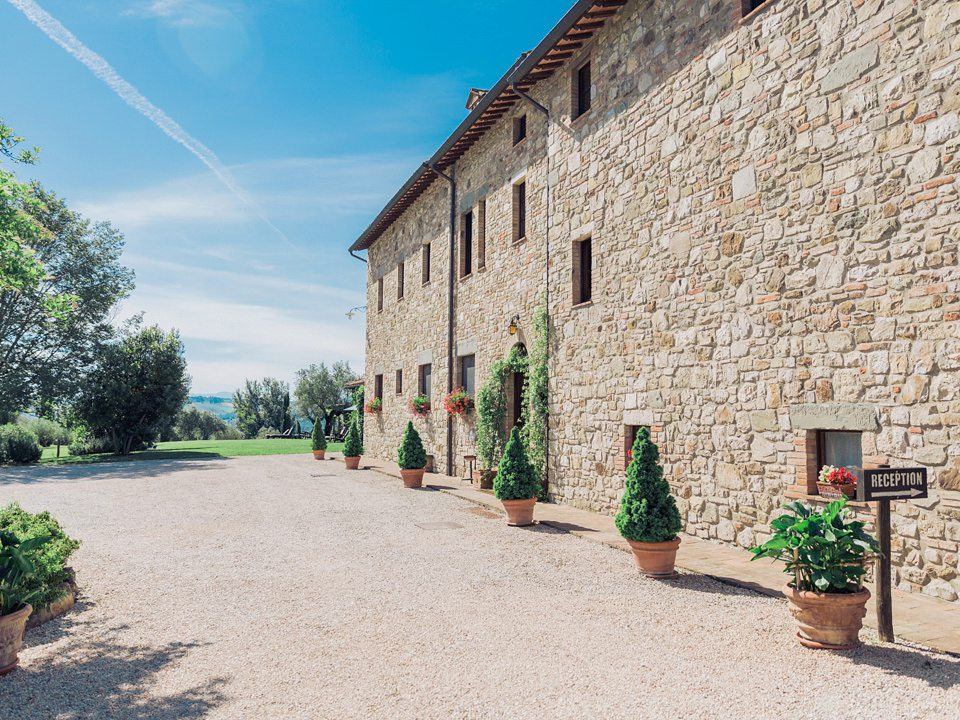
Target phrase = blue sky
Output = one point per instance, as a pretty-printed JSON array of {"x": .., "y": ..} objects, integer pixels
[{"x": 318, "y": 110}]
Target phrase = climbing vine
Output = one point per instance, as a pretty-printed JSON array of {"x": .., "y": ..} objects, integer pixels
[
  {"x": 492, "y": 415},
  {"x": 535, "y": 394}
]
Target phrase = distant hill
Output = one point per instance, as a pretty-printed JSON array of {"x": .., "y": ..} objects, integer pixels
[{"x": 220, "y": 404}]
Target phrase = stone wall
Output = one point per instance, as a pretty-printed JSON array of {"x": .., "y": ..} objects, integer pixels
[{"x": 774, "y": 215}]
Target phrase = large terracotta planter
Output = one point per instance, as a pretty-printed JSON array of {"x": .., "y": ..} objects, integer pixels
[
  {"x": 11, "y": 637},
  {"x": 519, "y": 512},
  {"x": 829, "y": 621},
  {"x": 656, "y": 560},
  {"x": 319, "y": 454},
  {"x": 352, "y": 463},
  {"x": 483, "y": 479},
  {"x": 412, "y": 478}
]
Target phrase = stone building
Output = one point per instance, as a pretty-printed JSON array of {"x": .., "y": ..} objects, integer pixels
[{"x": 743, "y": 218}]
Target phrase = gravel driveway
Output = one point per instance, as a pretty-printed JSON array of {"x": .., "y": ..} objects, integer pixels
[{"x": 282, "y": 587}]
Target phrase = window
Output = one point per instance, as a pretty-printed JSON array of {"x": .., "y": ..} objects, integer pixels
[
  {"x": 482, "y": 234},
  {"x": 840, "y": 449},
  {"x": 378, "y": 387},
  {"x": 748, "y": 6},
  {"x": 519, "y": 211},
  {"x": 400, "y": 281},
  {"x": 399, "y": 382},
  {"x": 582, "y": 271},
  {"x": 519, "y": 129},
  {"x": 582, "y": 90},
  {"x": 424, "y": 380},
  {"x": 467, "y": 365},
  {"x": 425, "y": 264},
  {"x": 380, "y": 295},
  {"x": 466, "y": 244}
]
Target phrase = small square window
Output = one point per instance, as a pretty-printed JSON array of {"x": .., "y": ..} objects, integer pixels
[
  {"x": 425, "y": 266},
  {"x": 400, "y": 281},
  {"x": 424, "y": 381},
  {"x": 467, "y": 368},
  {"x": 840, "y": 449},
  {"x": 378, "y": 387},
  {"x": 380, "y": 295},
  {"x": 399, "y": 382},
  {"x": 582, "y": 271},
  {"x": 519, "y": 129},
  {"x": 519, "y": 211}
]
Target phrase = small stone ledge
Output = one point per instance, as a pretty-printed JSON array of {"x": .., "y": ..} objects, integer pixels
[{"x": 834, "y": 416}]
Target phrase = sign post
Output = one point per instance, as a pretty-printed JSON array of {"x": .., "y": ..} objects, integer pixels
[{"x": 882, "y": 486}]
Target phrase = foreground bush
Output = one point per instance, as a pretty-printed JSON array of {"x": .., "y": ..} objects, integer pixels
[
  {"x": 410, "y": 454},
  {"x": 352, "y": 447},
  {"x": 18, "y": 445},
  {"x": 49, "y": 432},
  {"x": 516, "y": 478},
  {"x": 50, "y": 559},
  {"x": 648, "y": 512},
  {"x": 90, "y": 445}
]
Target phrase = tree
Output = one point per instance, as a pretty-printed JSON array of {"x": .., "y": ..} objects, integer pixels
[
  {"x": 410, "y": 454},
  {"x": 136, "y": 383},
  {"x": 516, "y": 478},
  {"x": 352, "y": 447},
  {"x": 194, "y": 424},
  {"x": 320, "y": 390},
  {"x": 262, "y": 405},
  {"x": 60, "y": 278},
  {"x": 648, "y": 512},
  {"x": 357, "y": 398}
]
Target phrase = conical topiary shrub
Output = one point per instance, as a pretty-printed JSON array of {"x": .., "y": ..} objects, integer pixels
[
  {"x": 517, "y": 483},
  {"x": 319, "y": 440},
  {"x": 352, "y": 447},
  {"x": 648, "y": 512},
  {"x": 411, "y": 455}
]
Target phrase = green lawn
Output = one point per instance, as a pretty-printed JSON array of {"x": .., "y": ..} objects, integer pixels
[{"x": 193, "y": 449}]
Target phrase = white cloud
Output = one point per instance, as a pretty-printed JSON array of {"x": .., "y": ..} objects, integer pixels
[{"x": 185, "y": 12}]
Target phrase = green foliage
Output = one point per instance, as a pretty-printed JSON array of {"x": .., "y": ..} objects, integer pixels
[
  {"x": 18, "y": 445},
  {"x": 136, "y": 384},
  {"x": 262, "y": 405},
  {"x": 49, "y": 432},
  {"x": 85, "y": 444},
  {"x": 50, "y": 559},
  {"x": 410, "y": 454},
  {"x": 17, "y": 570},
  {"x": 194, "y": 424},
  {"x": 357, "y": 399},
  {"x": 516, "y": 478},
  {"x": 536, "y": 393},
  {"x": 52, "y": 326},
  {"x": 352, "y": 447},
  {"x": 648, "y": 512},
  {"x": 492, "y": 416},
  {"x": 318, "y": 437},
  {"x": 821, "y": 551},
  {"x": 320, "y": 390},
  {"x": 228, "y": 433}
]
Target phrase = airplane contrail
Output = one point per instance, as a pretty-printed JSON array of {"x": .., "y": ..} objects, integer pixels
[{"x": 53, "y": 29}]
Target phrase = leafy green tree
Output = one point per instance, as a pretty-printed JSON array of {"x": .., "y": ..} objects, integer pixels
[
  {"x": 648, "y": 512},
  {"x": 194, "y": 424},
  {"x": 136, "y": 384},
  {"x": 410, "y": 454},
  {"x": 516, "y": 478},
  {"x": 352, "y": 447},
  {"x": 261, "y": 405},
  {"x": 320, "y": 390}
]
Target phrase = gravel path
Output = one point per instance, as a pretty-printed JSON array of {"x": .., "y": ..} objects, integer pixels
[{"x": 282, "y": 587}]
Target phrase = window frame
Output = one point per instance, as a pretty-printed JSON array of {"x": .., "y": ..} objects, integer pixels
[
  {"x": 400, "y": 279},
  {"x": 582, "y": 101},
  {"x": 582, "y": 277},
  {"x": 378, "y": 386},
  {"x": 380, "y": 295},
  {"x": 520, "y": 210},
  {"x": 519, "y": 129},
  {"x": 425, "y": 380},
  {"x": 425, "y": 264},
  {"x": 399, "y": 382},
  {"x": 466, "y": 244},
  {"x": 821, "y": 451},
  {"x": 481, "y": 232},
  {"x": 462, "y": 375}
]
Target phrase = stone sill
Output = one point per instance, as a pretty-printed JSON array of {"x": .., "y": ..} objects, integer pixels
[
  {"x": 521, "y": 143},
  {"x": 580, "y": 118},
  {"x": 586, "y": 304},
  {"x": 519, "y": 241},
  {"x": 801, "y": 494},
  {"x": 755, "y": 13}
]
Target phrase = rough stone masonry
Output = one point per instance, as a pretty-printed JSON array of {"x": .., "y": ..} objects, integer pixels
[{"x": 772, "y": 202}]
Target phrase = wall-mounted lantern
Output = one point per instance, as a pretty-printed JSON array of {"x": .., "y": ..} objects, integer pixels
[{"x": 513, "y": 324}]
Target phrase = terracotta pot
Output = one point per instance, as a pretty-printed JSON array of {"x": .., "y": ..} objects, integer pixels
[
  {"x": 827, "y": 489},
  {"x": 519, "y": 512},
  {"x": 352, "y": 463},
  {"x": 11, "y": 637},
  {"x": 483, "y": 479},
  {"x": 412, "y": 478},
  {"x": 319, "y": 454},
  {"x": 829, "y": 621},
  {"x": 656, "y": 560}
]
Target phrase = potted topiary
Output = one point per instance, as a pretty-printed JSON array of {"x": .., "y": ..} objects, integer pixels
[
  {"x": 352, "y": 447},
  {"x": 648, "y": 518},
  {"x": 516, "y": 484},
  {"x": 319, "y": 441},
  {"x": 411, "y": 457},
  {"x": 827, "y": 558},
  {"x": 16, "y": 568}
]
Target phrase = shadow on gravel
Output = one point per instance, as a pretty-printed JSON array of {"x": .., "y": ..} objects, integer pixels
[
  {"x": 717, "y": 585},
  {"x": 942, "y": 671},
  {"x": 98, "y": 675},
  {"x": 106, "y": 470}
]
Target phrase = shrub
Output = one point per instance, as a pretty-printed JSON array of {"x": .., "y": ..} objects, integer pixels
[
  {"x": 228, "y": 433},
  {"x": 16, "y": 570},
  {"x": 410, "y": 454},
  {"x": 352, "y": 447},
  {"x": 516, "y": 478},
  {"x": 319, "y": 439},
  {"x": 492, "y": 415},
  {"x": 648, "y": 512},
  {"x": 821, "y": 551},
  {"x": 50, "y": 560},
  {"x": 49, "y": 432},
  {"x": 264, "y": 431},
  {"x": 90, "y": 445},
  {"x": 18, "y": 445}
]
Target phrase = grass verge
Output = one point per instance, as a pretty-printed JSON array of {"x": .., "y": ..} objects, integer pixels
[{"x": 191, "y": 449}]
